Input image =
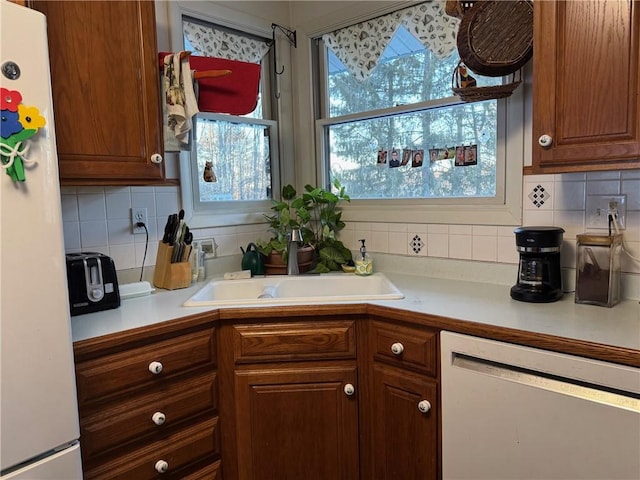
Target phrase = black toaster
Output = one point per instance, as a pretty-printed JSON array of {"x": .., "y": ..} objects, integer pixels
[{"x": 92, "y": 282}]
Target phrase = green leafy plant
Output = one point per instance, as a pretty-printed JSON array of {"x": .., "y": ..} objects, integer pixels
[
  {"x": 325, "y": 221},
  {"x": 288, "y": 213},
  {"x": 318, "y": 216}
]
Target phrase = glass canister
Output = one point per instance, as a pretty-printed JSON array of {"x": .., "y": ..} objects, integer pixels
[{"x": 598, "y": 269}]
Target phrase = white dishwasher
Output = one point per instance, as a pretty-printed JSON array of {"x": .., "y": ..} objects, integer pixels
[{"x": 517, "y": 413}]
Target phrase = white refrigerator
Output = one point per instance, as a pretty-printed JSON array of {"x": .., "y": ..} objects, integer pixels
[{"x": 39, "y": 428}]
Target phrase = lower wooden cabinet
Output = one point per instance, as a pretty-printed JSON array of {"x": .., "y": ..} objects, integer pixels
[
  {"x": 148, "y": 403},
  {"x": 404, "y": 406},
  {"x": 404, "y": 424},
  {"x": 290, "y": 410},
  {"x": 297, "y": 423},
  {"x": 307, "y": 397},
  {"x": 168, "y": 457}
]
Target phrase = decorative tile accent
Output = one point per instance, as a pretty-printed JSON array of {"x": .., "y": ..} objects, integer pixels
[
  {"x": 416, "y": 244},
  {"x": 539, "y": 196}
]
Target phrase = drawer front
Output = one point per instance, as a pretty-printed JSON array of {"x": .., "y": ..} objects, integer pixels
[
  {"x": 405, "y": 347},
  {"x": 294, "y": 341},
  {"x": 178, "y": 450},
  {"x": 111, "y": 374},
  {"x": 210, "y": 472},
  {"x": 149, "y": 414}
]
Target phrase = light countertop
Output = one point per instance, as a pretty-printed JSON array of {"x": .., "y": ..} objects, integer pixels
[{"x": 479, "y": 302}]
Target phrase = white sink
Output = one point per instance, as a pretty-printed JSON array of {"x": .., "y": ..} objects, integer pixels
[{"x": 280, "y": 289}]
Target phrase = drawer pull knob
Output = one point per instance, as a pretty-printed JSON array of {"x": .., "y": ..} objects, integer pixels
[
  {"x": 397, "y": 348},
  {"x": 424, "y": 406},
  {"x": 158, "y": 418},
  {"x": 156, "y": 158},
  {"x": 349, "y": 389},
  {"x": 545, "y": 141},
  {"x": 161, "y": 466},
  {"x": 155, "y": 367}
]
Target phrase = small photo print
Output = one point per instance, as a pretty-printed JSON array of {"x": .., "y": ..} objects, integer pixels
[
  {"x": 382, "y": 156},
  {"x": 433, "y": 154},
  {"x": 406, "y": 156},
  {"x": 395, "y": 158},
  {"x": 417, "y": 158},
  {"x": 447, "y": 153},
  {"x": 459, "y": 156},
  {"x": 471, "y": 155}
]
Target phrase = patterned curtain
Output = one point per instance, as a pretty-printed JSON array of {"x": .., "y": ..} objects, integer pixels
[
  {"x": 209, "y": 42},
  {"x": 360, "y": 46}
]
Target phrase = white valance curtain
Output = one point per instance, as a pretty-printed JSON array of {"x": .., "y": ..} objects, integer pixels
[
  {"x": 360, "y": 46},
  {"x": 211, "y": 42}
]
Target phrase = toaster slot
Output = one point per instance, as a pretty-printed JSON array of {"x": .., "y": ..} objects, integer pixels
[{"x": 93, "y": 276}]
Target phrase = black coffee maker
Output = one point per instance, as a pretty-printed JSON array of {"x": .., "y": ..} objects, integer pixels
[{"x": 539, "y": 277}]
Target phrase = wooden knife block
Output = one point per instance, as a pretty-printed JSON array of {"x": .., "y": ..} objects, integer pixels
[{"x": 167, "y": 275}]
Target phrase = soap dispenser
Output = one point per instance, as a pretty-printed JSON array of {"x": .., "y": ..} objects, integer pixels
[{"x": 364, "y": 263}]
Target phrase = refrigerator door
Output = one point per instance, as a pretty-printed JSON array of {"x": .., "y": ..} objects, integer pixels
[
  {"x": 38, "y": 406},
  {"x": 64, "y": 465}
]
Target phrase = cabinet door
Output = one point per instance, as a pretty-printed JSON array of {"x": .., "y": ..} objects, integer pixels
[
  {"x": 586, "y": 85},
  {"x": 105, "y": 85},
  {"x": 405, "y": 438},
  {"x": 297, "y": 423}
]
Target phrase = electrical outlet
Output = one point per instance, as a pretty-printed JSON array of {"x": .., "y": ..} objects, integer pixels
[
  {"x": 138, "y": 215},
  {"x": 599, "y": 207}
]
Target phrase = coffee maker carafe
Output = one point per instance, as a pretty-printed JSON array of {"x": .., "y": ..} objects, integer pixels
[{"x": 539, "y": 277}]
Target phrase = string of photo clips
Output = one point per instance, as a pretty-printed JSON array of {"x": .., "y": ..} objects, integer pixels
[{"x": 462, "y": 156}]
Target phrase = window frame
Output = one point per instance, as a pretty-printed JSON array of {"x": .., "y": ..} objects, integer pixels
[
  {"x": 224, "y": 214},
  {"x": 505, "y": 208}
]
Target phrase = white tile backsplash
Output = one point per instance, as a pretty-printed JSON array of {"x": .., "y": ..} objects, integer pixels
[
  {"x": 92, "y": 207},
  {"x": 93, "y": 233},
  {"x": 631, "y": 188},
  {"x": 460, "y": 246},
  {"x": 98, "y": 219},
  {"x": 569, "y": 195},
  {"x": 438, "y": 245},
  {"x": 603, "y": 187},
  {"x": 398, "y": 244}
]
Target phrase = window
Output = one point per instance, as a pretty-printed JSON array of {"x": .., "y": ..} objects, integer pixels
[
  {"x": 234, "y": 157},
  {"x": 231, "y": 168},
  {"x": 392, "y": 133}
]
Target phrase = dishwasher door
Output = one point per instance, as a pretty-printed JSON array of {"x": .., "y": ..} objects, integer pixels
[{"x": 512, "y": 412}]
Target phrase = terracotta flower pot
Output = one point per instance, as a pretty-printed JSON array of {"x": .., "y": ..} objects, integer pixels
[{"x": 273, "y": 264}]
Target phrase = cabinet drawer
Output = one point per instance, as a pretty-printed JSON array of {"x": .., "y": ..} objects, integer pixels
[
  {"x": 133, "y": 419},
  {"x": 294, "y": 341},
  {"x": 405, "y": 347},
  {"x": 177, "y": 450},
  {"x": 210, "y": 472},
  {"x": 116, "y": 373}
]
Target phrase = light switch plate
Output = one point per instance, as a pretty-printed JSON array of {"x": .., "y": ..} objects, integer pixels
[{"x": 598, "y": 208}]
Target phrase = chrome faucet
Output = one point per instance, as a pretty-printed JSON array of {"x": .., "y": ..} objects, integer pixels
[{"x": 295, "y": 239}]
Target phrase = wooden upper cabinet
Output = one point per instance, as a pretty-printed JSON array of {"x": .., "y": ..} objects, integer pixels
[
  {"x": 106, "y": 92},
  {"x": 586, "y": 85}
]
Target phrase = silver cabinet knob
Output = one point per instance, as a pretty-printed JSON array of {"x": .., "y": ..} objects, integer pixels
[
  {"x": 424, "y": 406},
  {"x": 545, "y": 141},
  {"x": 156, "y": 158},
  {"x": 155, "y": 367},
  {"x": 161, "y": 466},
  {"x": 158, "y": 418},
  {"x": 349, "y": 389},
  {"x": 397, "y": 348}
]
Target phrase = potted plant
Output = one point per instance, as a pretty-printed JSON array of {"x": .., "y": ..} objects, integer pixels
[
  {"x": 325, "y": 221},
  {"x": 317, "y": 214},
  {"x": 288, "y": 213}
]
